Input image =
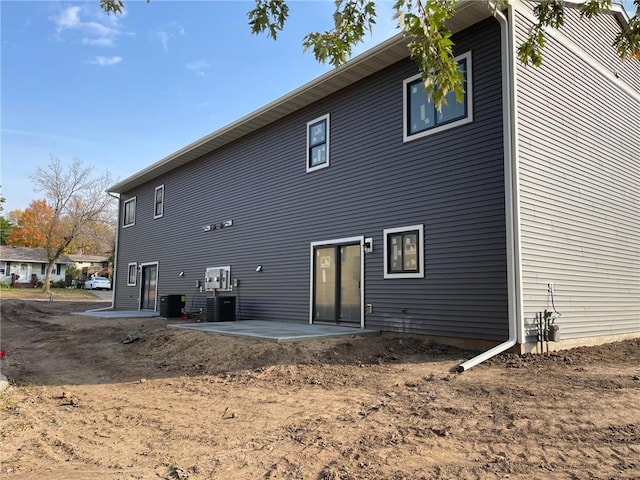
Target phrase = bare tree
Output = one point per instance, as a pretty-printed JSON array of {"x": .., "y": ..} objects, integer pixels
[{"x": 78, "y": 199}]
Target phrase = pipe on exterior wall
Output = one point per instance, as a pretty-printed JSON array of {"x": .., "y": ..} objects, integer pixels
[
  {"x": 115, "y": 252},
  {"x": 511, "y": 194}
]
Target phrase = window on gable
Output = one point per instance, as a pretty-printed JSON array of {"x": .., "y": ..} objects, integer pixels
[
  {"x": 318, "y": 143},
  {"x": 132, "y": 275},
  {"x": 422, "y": 118},
  {"x": 158, "y": 210},
  {"x": 129, "y": 212},
  {"x": 404, "y": 252}
]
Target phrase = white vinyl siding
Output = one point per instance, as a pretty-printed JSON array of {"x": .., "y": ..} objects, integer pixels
[{"x": 579, "y": 162}]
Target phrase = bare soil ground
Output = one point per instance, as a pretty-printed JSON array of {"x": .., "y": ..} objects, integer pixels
[{"x": 130, "y": 399}]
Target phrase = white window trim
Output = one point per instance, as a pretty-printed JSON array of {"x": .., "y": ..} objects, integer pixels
[
  {"x": 155, "y": 192},
  {"x": 135, "y": 281},
  {"x": 124, "y": 209},
  {"x": 337, "y": 241},
  {"x": 420, "y": 272},
  {"x": 328, "y": 134},
  {"x": 155, "y": 303},
  {"x": 407, "y": 137}
]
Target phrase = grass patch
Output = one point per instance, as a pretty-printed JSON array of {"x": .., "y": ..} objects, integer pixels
[{"x": 38, "y": 293}]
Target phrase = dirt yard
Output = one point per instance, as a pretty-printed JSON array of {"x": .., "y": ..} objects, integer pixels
[{"x": 130, "y": 399}]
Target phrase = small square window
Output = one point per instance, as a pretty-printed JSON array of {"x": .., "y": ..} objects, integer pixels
[
  {"x": 129, "y": 212},
  {"x": 159, "y": 202},
  {"x": 422, "y": 118},
  {"x": 404, "y": 252},
  {"x": 318, "y": 143},
  {"x": 132, "y": 274}
]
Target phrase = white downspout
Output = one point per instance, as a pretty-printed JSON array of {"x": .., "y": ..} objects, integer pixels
[{"x": 511, "y": 196}]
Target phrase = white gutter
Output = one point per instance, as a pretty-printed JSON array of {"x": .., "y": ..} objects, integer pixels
[{"x": 512, "y": 204}]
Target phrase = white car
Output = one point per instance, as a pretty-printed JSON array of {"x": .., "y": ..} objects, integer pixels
[{"x": 97, "y": 283}]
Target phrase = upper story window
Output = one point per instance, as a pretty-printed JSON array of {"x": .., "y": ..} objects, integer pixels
[
  {"x": 318, "y": 143},
  {"x": 129, "y": 212},
  {"x": 422, "y": 118},
  {"x": 404, "y": 252},
  {"x": 158, "y": 203}
]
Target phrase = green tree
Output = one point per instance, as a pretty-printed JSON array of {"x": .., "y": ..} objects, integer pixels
[
  {"x": 423, "y": 23},
  {"x": 5, "y": 230},
  {"x": 78, "y": 199}
]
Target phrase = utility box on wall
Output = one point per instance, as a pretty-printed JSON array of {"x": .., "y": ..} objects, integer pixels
[{"x": 217, "y": 278}]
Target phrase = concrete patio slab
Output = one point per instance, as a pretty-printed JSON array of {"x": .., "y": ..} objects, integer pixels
[
  {"x": 118, "y": 313},
  {"x": 274, "y": 331}
]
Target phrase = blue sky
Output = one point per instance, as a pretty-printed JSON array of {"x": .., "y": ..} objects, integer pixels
[{"x": 122, "y": 92}]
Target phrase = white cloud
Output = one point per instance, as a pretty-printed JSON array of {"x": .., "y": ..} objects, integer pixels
[
  {"x": 99, "y": 42},
  {"x": 106, "y": 61},
  {"x": 102, "y": 32},
  {"x": 167, "y": 32},
  {"x": 68, "y": 18},
  {"x": 198, "y": 67}
]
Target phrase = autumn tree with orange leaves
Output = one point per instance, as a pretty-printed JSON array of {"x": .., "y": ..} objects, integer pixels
[{"x": 29, "y": 225}]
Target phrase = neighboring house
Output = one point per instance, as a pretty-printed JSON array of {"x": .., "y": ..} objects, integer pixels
[
  {"x": 26, "y": 266},
  {"x": 91, "y": 264},
  {"x": 352, "y": 200}
]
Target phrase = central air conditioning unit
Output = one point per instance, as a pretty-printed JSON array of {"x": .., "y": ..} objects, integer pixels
[{"x": 221, "y": 308}]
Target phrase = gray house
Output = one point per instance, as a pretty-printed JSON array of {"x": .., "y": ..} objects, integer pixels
[{"x": 352, "y": 200}]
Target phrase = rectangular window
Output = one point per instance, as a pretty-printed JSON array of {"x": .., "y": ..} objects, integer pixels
[
  {"x": 43, "y": 269},
  {"x": 133, "y": 274},
  {"x": 129, "y": 212},
  {"x": 422, "y": 118},
  {"x": 404, "y": 252},
  {"x": 58, "y": 269},
  {"x": 159, "y": 202},
  {"x": 318, "y": 143}
]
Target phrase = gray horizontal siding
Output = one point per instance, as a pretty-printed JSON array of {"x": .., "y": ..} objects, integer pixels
[
  {"x": 580, "y": 187},
  {"x": 451, "y": 182}
]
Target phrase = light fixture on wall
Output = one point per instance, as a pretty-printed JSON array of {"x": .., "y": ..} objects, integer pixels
[
  {"x": 259, "y": 268},
  {"x": 181, "y": 274}
]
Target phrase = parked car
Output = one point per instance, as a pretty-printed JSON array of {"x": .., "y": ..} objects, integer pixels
[{"x": 97, "y": 283}]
